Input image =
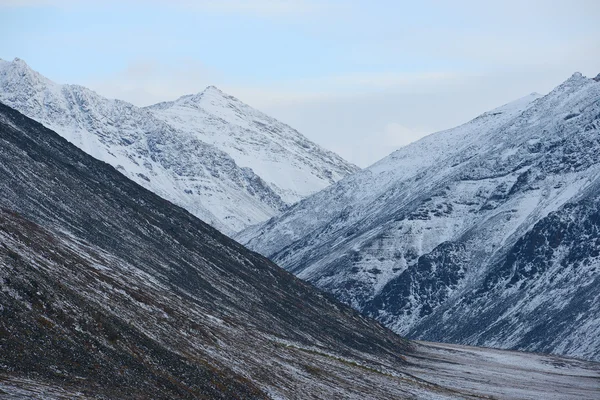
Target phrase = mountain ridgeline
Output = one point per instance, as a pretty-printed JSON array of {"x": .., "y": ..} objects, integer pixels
[
  {"x": 485, "y": 234},
  {"x": 293, "y": 166},
  {"x": 226, "y": 163}
]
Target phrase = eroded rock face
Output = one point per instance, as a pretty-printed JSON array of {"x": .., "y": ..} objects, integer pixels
[
  {"x": 413, "y": 239},
  {"x": 543, "y": 294}
]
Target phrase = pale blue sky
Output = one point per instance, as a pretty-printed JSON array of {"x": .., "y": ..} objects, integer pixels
[{"x": 359, "y": 77}]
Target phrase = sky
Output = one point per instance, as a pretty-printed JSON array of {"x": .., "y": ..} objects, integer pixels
[{"x": 361, "y": 78}]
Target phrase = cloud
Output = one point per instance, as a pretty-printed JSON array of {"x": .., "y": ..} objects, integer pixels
[
  {"x": 258, "y": 7},
  {"x": 263, "y": 8},
  {"x": 146, "y": 82},
  {"x": 396, "y": 135}
]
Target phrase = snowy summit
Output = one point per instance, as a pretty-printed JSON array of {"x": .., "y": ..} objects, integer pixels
[{"x": 226, "y": 163}]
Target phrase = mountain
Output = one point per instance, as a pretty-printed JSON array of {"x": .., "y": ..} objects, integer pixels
[
  {"x": 108, "y": 291},
  {"x": 107, "y": 286},
  {"x": 293, "y": 166},
  {"x": 482, "y": 234},
  {"x": 172, "y": 162}
]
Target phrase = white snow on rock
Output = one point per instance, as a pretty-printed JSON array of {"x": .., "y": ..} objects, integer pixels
[
  {"x": 293, "y": 166},
  {"x": 422, "y": 229},
  {"x": 196, "y": 152}
]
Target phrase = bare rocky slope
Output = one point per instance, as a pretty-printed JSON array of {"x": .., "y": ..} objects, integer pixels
[
  {"x": 485, "y": 234},
  {"x": 108, "y": 291}
]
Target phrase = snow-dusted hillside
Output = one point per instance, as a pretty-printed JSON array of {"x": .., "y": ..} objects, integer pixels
[
  {"x": 108, "y": 291},
  {"x": 173, "y": 162},
  {"x": 292, "y": 166},
  {"x": 425, "y": 228}
]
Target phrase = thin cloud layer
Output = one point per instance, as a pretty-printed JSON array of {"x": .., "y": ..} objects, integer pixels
[{"x": 255, "y": 7}]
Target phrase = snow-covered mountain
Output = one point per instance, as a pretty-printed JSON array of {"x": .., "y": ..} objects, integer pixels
[
  {"x": 293, "y": 166},
  {"x": 174, "y": 161},
  {"x": 469, "y": 235},
  {"x": 108, "y": 291}
]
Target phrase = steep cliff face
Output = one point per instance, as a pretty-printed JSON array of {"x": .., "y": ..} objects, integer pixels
[
  {"x": 542, "y": 295},
  {"x": 410, "y": 238}
]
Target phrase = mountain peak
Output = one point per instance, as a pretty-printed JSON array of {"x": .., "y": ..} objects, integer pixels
[
  {"x": 298, "y": 168},
  {"x": 212, "y": 88},
  {"x": 597, "y": 78},
  {"x": 197, "y": 98},
  {"x": 20, "y": 65},
  {"x": 193, "y": 100},
  {"x": 573, "y": 83},
  {"x": 213, "y": 92},
  {"x": 16, "y": 64},
  {"x": 19, "y": 73},
  {"x": 576, "y": 77}
]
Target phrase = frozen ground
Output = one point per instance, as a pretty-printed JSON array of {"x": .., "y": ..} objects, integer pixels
[
  {"x": 502, "y": 374},
  {"x": 438, "y": 371}
]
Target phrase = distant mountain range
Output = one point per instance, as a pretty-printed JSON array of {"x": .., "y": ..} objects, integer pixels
[
  {"x": 226, "y": 163},
  {"x": 293, "y": 166},
  {"x": 486, "y": 234}
]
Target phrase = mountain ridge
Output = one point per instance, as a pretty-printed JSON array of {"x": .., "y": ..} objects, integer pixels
[
  {"x": 172, "y": 162},
  {"x": 419, "y": 229},
  {"x": 102, "y": 279},
  {"x": 294, "y": 166}
]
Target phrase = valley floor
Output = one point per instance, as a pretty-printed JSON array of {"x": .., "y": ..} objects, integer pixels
[
  {"x": 502, "y": 374},
  {"x": 437, "y": 371}
]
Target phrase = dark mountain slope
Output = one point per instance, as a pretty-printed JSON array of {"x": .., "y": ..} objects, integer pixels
[
  {"x": 107, "y": 288},
  {"x": 53, "y": 330},
  {"x": 108, "y": 291}
]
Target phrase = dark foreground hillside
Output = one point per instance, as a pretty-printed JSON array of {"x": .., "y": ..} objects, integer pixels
[
  {"x": 107, "y": 286},
  {"x": 108, "y": 291}
]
